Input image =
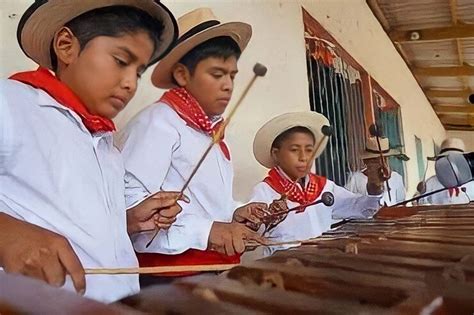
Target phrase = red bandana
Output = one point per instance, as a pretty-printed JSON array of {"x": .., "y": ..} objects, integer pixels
[
  {"x": 192, "y": 113},
  {"x": 282, "y": 185},
  {"x": 46, "y": 81}
]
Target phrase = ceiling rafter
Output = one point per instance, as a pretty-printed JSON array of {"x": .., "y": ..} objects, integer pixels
[
  {"x": 448, "y": 93},
  {"x": 431, "y": 34},
  {"x": 467, "y": 109},
  {"x": 464, "y": 70}
]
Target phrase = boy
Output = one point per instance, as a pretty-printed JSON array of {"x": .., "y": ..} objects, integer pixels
[
  {"x": 163, "y": 143},
  {"x": 357, "y": 182},
  {"x": 61, "y": 178},
  {"x": 285, "y": 145}
]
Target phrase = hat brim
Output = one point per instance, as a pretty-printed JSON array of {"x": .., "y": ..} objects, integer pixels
[
  {"x": 162, "y": 76},
  {"x": 445, "y": 153},
  {"x": 391, "y": 152},
  {"x": 44, "y": 18},
  {"x": 265, "y": 136}
]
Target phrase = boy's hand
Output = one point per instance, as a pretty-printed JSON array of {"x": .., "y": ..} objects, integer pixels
[
  {"x": 229, "y": 238},
  {"x": 251, "y": 214},
  {"x": 38, "y": 253},
  {"x": 159, "y": 211}
]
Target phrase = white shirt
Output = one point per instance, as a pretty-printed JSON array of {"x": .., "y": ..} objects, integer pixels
[
  {"x": 160, "y": 152},
  {"x": 443, "y": 197},
  {"x": 357, "y": 183},
  {"x": 318, "y": 218},
  {"x": 55, "y": 174}
]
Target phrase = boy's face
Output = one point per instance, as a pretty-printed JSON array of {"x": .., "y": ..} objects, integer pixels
[
  {"x": 211, "y": 83},
  {"x": 105, "y": 73},
  {"x": 294, "y": 154},
  {"x": 375, "y": 162}
]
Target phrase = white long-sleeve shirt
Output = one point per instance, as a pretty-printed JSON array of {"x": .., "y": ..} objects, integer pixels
[
  {"x": 318, "y": 218},
  {"x": 445, "y": 197},
  {"x": 357, "y": 183},
  {"x": 55, "y": 174},
  {"x": 160, "y": 151}
]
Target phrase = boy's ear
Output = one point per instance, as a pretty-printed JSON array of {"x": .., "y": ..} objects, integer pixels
[
  {"x": 181, "y": 74},
  {"x": 66, "y": 46},
  {"x": 274, "y": 152}
]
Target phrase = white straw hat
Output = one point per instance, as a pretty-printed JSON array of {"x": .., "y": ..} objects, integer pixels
[
  {"x": 44, "y": 18},
  {"x": 265, "y": 136},
  {"x": 196, "y": 27}
]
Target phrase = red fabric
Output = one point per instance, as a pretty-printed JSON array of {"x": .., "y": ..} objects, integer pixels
[
  {"x": 283, "y": 185},
  {"x": 453, "y": 192},
  {"x": 191, "y": 257},
  {"x": 192, "y": 113},
  {"x": 46, "y": 81}
]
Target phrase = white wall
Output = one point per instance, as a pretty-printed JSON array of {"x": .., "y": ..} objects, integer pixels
[{"x": 278, "y": 43}]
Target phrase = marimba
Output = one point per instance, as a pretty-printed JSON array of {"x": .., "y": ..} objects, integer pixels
[
  {"x": 394, "y": 264},
  {"x": 420, "y": 264}
]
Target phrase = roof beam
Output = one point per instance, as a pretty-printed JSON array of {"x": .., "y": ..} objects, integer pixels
[
  {"x": 464, "y": 70},
  {"x": 437, "y": 33},
  {"x": 448, "y": 93},
  {"x": 467, "y": 109},
  {"x": 457, "y": 120},
  {"x": 463, "y": 128}
]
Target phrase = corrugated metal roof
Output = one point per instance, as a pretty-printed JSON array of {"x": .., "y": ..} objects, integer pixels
[
  {"x": 454, "y": 49},
  {"x": 412, "y": 14}
]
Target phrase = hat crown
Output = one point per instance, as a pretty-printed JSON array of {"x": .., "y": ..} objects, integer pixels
[
  {"x": 194, "y": 18},
  {"x": 372, "y": 145},
  {"x": 452, "y": 144}
]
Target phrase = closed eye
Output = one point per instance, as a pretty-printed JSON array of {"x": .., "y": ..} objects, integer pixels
[{"x": 120, "y": 62}]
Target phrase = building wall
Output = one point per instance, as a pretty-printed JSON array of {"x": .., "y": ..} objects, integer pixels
[
  {"x": 466, "y": 136},
  {"x": 278, "y": 43}
]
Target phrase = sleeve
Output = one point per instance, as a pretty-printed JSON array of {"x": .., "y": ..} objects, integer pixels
[
  {"x": 189, "y": 231},
  {"x": 6, "y": 145},
  {"x": 6, "y": 130},
  {"x": 147, "y": 145},
  {"x": 261, "y": 193},
  {"x": 348, "y": 205},
  {"x": 355, "y": 185}
]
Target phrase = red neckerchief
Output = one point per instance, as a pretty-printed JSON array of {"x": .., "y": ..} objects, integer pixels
[
  {"x": 188, "y": 108},
  {"x": 282, "y": 185},
  {"x": 46, "y": 81}
]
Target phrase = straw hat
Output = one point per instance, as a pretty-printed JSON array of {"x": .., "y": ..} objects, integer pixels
[
  {"x": 44, "y": 18},
  {"x": 195, "y": 28},
  {"x": 265, "y": 136},
  {"x": 372, "y": 149},
  {"x": 450, "y": 145}
]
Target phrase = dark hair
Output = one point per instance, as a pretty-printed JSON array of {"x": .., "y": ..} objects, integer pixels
[
  {"x": 112, "y": 21},
  {"x": 287, "y": 133},
  {"x": 219, "y": 47}
]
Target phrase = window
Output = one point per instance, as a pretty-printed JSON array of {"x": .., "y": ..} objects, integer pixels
[
  {"x": 419, "y": 158},
  {"x": 340, "y": 89},
  {"x": 335, "y": 91}
]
